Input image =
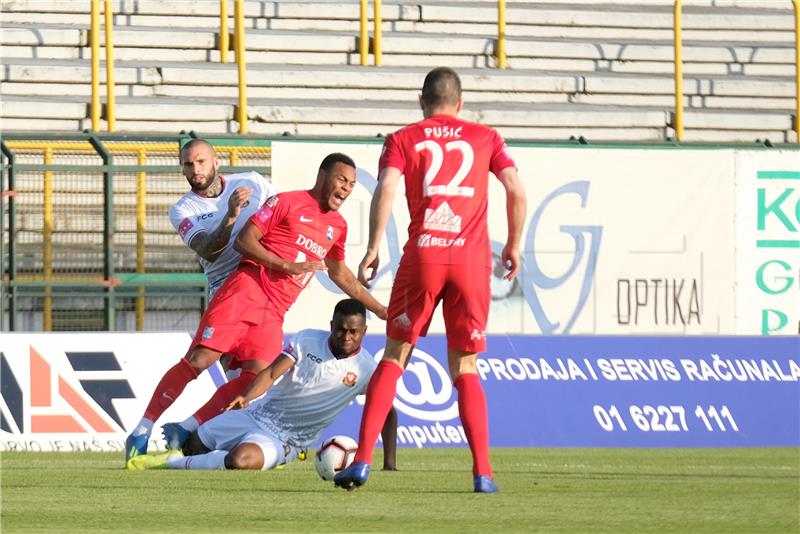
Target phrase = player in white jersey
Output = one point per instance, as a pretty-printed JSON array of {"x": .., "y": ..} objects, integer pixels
[
  {"x": 320, "y": 373},
  {"x": 209, "y": 217}
]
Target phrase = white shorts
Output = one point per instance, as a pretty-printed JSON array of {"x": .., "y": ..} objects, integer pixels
[{"x": 229, "y": 429}]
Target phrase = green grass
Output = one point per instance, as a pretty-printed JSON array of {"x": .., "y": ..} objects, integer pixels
[{"x": 542, "y": 490}]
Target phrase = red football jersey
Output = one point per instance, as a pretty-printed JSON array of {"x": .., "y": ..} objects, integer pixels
[
  {"x": 446, "y": 163},
  {"x": 297, "y": 229}
]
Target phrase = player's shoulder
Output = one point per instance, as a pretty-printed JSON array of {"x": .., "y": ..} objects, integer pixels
[
  {"x": 366, "y": 358},
  {"x": 310, "y": 336},
  {"x": 188, "y": 203},
  {"x": 246, "y": 178},
  {"x": 295, "y": 196}
]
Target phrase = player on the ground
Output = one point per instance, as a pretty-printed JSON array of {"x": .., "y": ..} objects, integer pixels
[
  {"x": 446, "y": 162},
  {"x": 292, "y": 236},
  {"x": 323, "y": 372},
  {"x": 209, "y": 217}
]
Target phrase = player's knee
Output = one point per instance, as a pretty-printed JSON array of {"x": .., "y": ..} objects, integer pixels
[
  {"x": 202, "y": 358},
  {"x": 245, "y": 456}
]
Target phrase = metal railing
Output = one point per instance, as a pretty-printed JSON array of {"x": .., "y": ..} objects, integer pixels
[
  {"x": 94, "y": 37},
  {"x": 107, "y": 254},
  {"x": 677, "y": 123},
  {"x": 364, "y": 41},
  {"x": 377, "y": 33}
]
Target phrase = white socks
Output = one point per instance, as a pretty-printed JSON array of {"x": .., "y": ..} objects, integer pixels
[
  {"x": 190, "y": 423},
  {"x": 208, "y": 461}
]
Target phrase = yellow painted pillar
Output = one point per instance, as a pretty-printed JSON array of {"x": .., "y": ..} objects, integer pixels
[
  {"x": 501, "y": 34},
  {"x": 377, "y": 51},
  {"x": 94, "y": 40},
  {"x": 141, "y": 215},
  {"x": 223, "y": 31},
  {"x": 111, "y": 90},
  {"x": 47, "y": 240},
  {"x": 241, "y": 115},
  {"x": 678, "y": 122}
]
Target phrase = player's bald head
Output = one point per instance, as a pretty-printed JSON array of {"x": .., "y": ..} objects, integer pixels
[
  {"x": 441, "y": 88},
  {"x": 197, "y": 144}
]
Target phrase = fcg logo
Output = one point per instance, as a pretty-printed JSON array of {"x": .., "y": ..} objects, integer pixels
[{"x": 425, "y": 391}]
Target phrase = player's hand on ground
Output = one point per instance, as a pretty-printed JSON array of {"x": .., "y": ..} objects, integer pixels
[
  {"x": 305, "y": 267},
  {"x": 238, "y": 200},
  {"x": 511, "y": 261},
  {"x": 238, "y": 403},
  {"x": 368, "y": 269}
]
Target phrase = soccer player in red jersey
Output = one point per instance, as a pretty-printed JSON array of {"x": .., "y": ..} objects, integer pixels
[
  {"x": 446, "y": 163},
  {"x": 292, "y": 236}
]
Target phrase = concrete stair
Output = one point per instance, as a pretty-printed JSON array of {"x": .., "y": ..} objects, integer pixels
[{"x": 608, "y": 61}]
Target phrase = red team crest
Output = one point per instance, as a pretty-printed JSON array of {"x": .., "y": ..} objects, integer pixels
[{"x": 350, "y": 379}]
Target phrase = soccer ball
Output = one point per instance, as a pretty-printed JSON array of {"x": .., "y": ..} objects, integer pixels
[{"x": 335, "y": 454}]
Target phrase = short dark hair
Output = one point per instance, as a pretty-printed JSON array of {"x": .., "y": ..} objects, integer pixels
[
  {"x": 442, "y": 86},
  {"x": 193, "y": 143},
  {"x": 332, "y": 159},
  {"x": 350, "y": 307}
]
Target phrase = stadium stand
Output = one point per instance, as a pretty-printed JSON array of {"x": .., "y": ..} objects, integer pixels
[{"x": 601, "y": 70}]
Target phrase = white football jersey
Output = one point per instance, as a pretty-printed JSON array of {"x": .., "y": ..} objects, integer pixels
[
  {"x": 314, "y": 392},
  {"x": 195, "y": 213}
]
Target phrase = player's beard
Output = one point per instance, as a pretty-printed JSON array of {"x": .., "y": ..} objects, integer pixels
[{"x": 211, "y": 189}]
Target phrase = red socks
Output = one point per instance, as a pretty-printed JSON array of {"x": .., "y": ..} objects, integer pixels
[
  {"x": 223, "y": 397},
  {"x": 169, "y": 389},
  {"x": 474, "y": 417},
  {"x": 380, "y": 394}
]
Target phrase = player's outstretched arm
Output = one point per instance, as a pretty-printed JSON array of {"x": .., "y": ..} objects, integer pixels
[
  {"x": 379, "y": 211},
  {"x": 389, "y": 437},
  {"x": 262, "y": 382},
  {"x": 209, "y": 246},
  {"x": 249, "y": 246},
  {"x": 516, "y": 206},
  {"x": 343, "y": 277}
]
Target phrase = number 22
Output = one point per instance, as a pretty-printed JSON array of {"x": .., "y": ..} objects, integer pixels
[{"x": 454, "y": 188}]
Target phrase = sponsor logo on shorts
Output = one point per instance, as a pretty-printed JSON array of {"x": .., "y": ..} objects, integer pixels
[
  {"x": 402, "y": 321},
  {"x": 185, "y": 226},
  {"x": 427, "y": 240},
  {"x": 329, "y": 233},
  {"x": 207, "y": 333},
  {"x": 350, "y": 379},
  {"x": 311, "y": 246},
  {"x": 477, "y": 334},
  {"x": 442, "y": 219}
]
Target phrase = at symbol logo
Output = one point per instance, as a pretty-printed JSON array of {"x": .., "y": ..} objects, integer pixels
[{"x": 425, "y": 390}]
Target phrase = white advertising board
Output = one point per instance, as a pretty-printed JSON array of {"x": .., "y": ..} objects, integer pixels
[
  {"x": 768, "y": 242},
  {"x": 616, "y": 241},
  {"x": 81, "y": 391}
]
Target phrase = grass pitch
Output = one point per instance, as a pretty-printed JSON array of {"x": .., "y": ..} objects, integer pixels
[{"x": 542, "y": 490}]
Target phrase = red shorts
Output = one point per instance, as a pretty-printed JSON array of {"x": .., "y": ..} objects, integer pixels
[
  {"x": 241, "y": 321},
  {"x": 417, "y": 290}
]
